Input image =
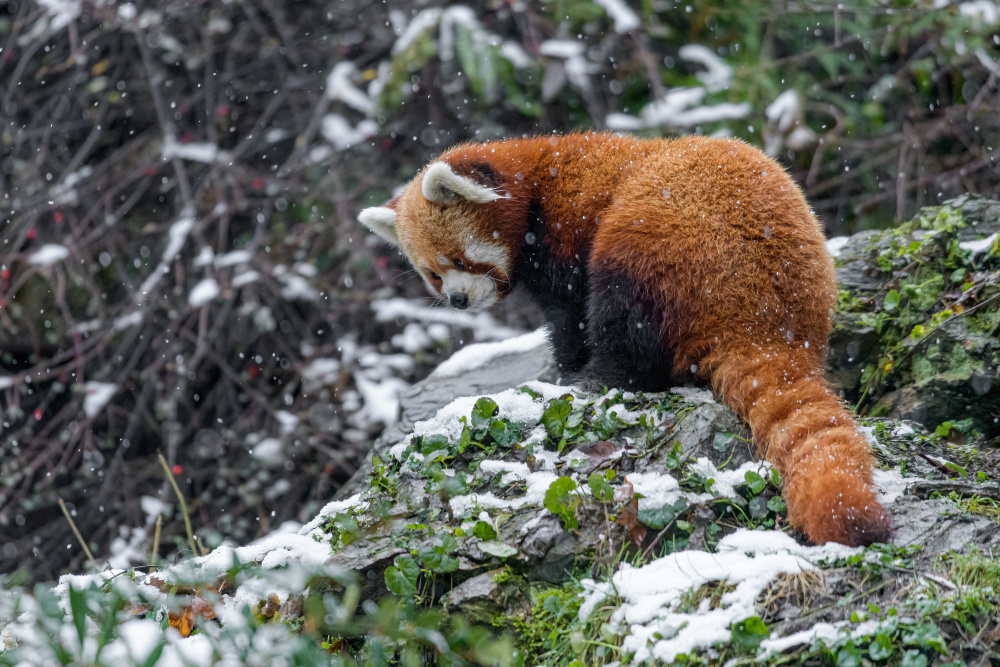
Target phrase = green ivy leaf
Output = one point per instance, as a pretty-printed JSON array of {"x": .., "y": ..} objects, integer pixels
[
  {"x": 555, "y": 416},
  {"x": 777, "y": 505},
  {"x": 721, "y": 440},
  {"x": 560, "y": 500},
  {"x": 849, "y": 656},
  {"x": 659, "y": 518},
  {"x": 914, "y": 658},
  {"x": 498, "y": 549},
  {"x": 484, "y": 410},
  {"x": 524, "y": 389},
  {"x": 484, "y": 531},
  {"x": 749, "y": 633},
  {"x": 435, "y": 561},
  {"x": 881, "y": 647},
  {"x": 754, "y": 481},
  {"x": 600, "y": 488},
  {"x": 401, "y": 578},
  {"x": 433, "y": 443},
  {"x": 891, "y": 300}
]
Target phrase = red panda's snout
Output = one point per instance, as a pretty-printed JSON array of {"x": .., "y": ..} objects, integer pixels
[{"x": 463, "y": 290}]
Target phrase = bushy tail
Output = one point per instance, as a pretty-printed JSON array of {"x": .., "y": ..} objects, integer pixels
[{"x": 804, "y": 430}]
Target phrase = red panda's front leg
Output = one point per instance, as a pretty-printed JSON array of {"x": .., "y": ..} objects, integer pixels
[{"x": 627, "y": 334}]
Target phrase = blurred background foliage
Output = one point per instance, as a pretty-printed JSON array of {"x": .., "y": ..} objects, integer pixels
[{"x": 179, "y": 181}]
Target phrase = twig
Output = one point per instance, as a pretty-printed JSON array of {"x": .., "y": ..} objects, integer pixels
[
  {"x": 76, "y": 531},
  {"x": 180, "y": 500},
  {"x": 155, "y": 556}
]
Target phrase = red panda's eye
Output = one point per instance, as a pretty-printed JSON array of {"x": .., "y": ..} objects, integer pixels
[
  {"x": 459, "y": 265},
  {"x": 435, "y": 276}
]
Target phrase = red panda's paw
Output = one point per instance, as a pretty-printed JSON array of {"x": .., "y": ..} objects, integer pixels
[{"x": 839, "y": 508}]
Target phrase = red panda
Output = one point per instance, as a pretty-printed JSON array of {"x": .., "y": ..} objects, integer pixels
[{"x": 657, "y": 262}]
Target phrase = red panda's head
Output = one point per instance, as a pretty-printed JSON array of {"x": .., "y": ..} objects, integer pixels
[{"x": 449, "y": 226}]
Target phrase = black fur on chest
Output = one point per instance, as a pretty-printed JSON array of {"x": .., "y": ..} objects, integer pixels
[
  {"x": 611, "y": 337},
  {"x": 559, "y": 289}
]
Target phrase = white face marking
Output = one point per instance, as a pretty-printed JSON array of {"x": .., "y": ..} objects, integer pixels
[
  {"x": 443, "y": 261},
  {"x": 482, "y": 291},
  {"x": 488, "y": 253}
]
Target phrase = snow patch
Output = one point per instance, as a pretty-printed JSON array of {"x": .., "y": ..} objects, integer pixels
[
  {"x": 749, "y": 560},
  {"x": 980, "y": 246},
  {"x": 835, "y": 245},
  {"x": 194, "y": 152},
  {"x": 340, "y": 86},
  {"x": 478, "y": 355},
  {"x": 204, "y": 292},
  {"x": 625, "y": 19},
  {"x": 890, "y": 484},
  {"x": 48, "y": 254},
  {"x": 97, "y": 396}
]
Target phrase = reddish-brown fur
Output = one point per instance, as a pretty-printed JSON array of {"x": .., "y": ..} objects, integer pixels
[{"x": 722, "y": 241}]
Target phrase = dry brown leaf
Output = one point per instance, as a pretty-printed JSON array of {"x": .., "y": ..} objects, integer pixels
[
  {"x": 598, "y": 452},
  {"x": 184, "y": 622},
  {"x": 629, "y": 514}
]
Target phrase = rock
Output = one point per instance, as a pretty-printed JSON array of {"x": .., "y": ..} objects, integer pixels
[
  {"x": 920, "y": 318},
  {"x": 939, "y": 528}
]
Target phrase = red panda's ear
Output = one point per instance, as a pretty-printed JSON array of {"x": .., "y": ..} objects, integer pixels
[
  {"x": 442, "y": 184},
  {"x": 382, "y": 221}
]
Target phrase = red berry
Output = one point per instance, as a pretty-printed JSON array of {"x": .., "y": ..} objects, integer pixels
[
  {"x": 4, "y": 274},
  {"x": 32, "y": 234},
  {"x": 38, "y": 414},
  {"x": 177, "y": 469},
  {"x": 223, "y": 110},
  {"x": 254, "y": 371},
  {"x": 58, "y": 217},
  {"x": 148, "y": 171},
  {"x": 258, "y": 183}
]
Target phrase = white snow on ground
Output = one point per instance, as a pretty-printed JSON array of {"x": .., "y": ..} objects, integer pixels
[
  {"x": 204, "y": 292},
  {"x": 332, "y": 508},
  {"x": 750, "y": 560},
  {"x": 625, "y": 19},
  {"x": 982, "y": 245},
  {"x": 484, "y": 325},
  {"x": 475, "y": 356},
  {"x": 97, "y": 396},
  {"x": 48, "y": 254},
  {"x": 891, "y": 484},
  {"x": 836, "y": 244},
  {"x": 538, "y": 483},
  {"x": 515, "y": 405},
  {"x": 828, "y": 632}
]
